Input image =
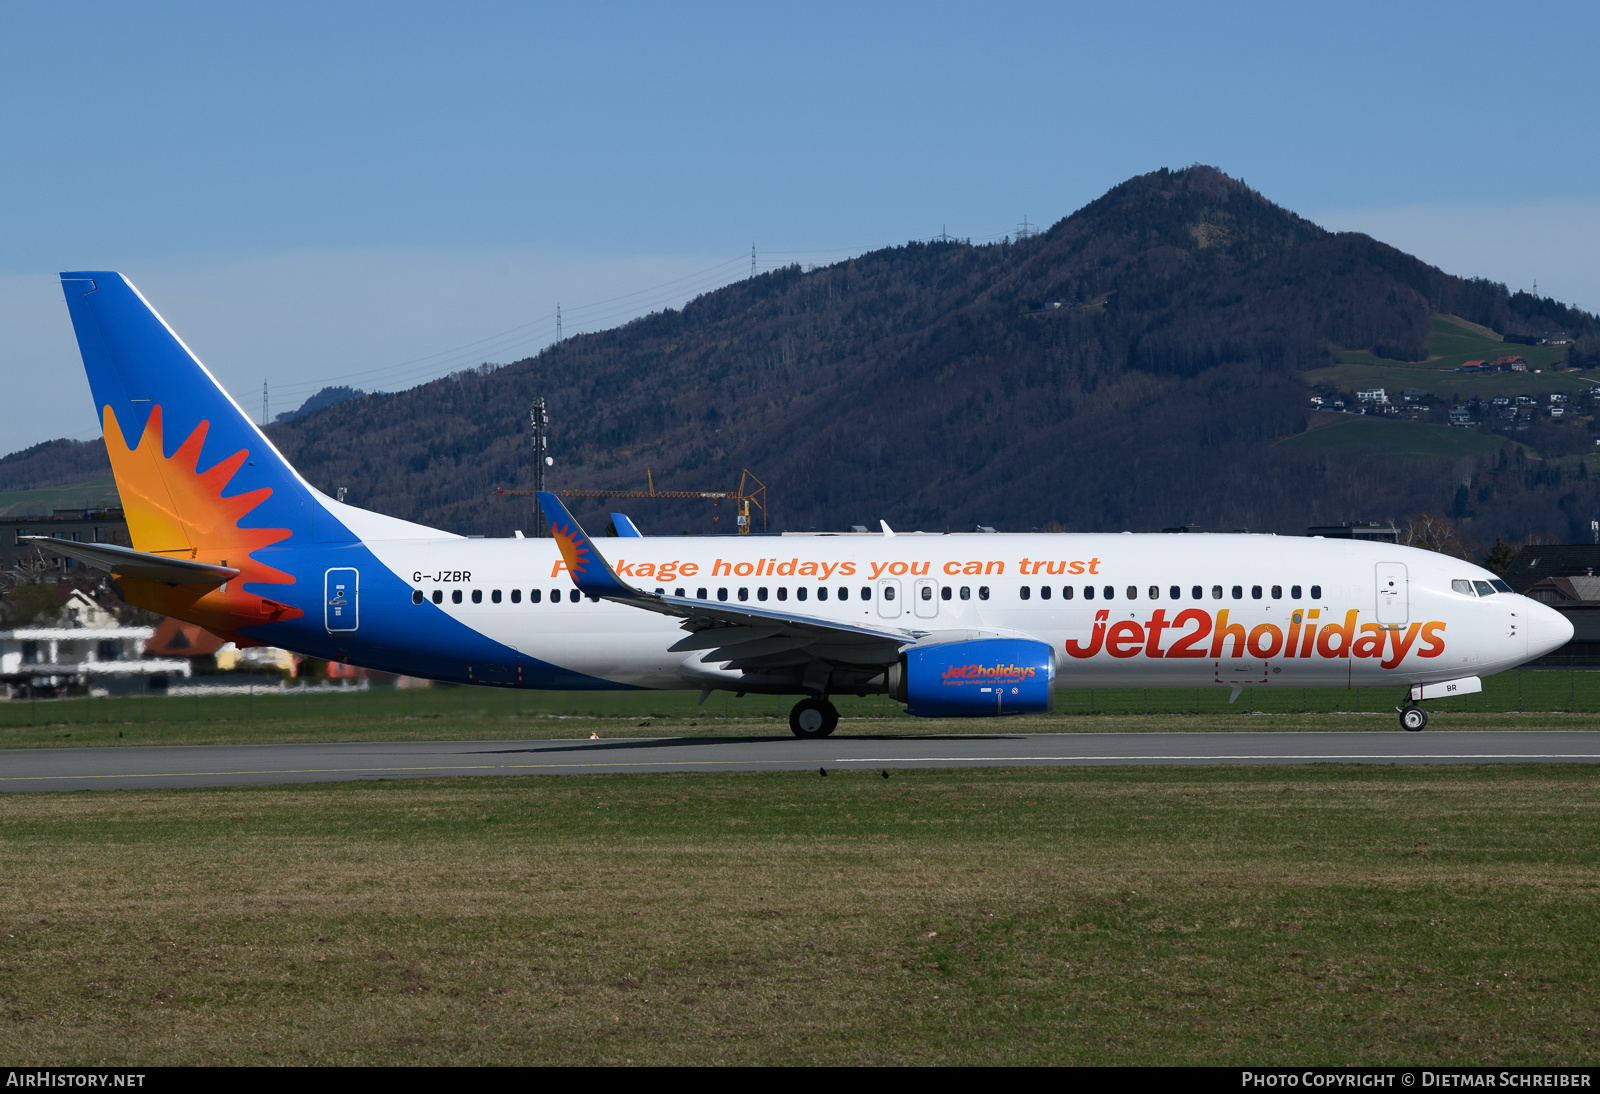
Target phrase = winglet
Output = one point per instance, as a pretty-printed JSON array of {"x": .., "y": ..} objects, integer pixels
[
  {"x": 625, "y": 527},
  {"x": 591, "y": 573}
]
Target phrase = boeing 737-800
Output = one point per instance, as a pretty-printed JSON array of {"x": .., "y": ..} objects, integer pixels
[{"x": 226, "y": 534}]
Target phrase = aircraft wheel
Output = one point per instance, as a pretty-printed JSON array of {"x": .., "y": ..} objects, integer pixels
[
  {"x": 813, "y": 718},
  {"x": 1413, "y": 719}
]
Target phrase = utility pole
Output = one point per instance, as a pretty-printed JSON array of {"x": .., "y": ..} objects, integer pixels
[
  {"x": 265, "y": 413},
  {"x": 539, "y": 419}
]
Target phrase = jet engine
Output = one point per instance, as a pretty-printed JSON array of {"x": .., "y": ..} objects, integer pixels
[{"x": 979, "y": 678}]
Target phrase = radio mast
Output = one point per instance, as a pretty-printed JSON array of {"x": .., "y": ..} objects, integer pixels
[{"x": 539, "y": 420}]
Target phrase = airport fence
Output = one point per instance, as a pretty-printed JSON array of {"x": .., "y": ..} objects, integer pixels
[{"x": 1529, "y": 690}]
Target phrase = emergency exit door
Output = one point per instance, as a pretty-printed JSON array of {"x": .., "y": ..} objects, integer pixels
[
  {"x": 1394, "y": 602},
  {"x": 341, "y": 603}
]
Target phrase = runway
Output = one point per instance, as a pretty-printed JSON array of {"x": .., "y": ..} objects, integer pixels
[{"x": 147, "y": 767}]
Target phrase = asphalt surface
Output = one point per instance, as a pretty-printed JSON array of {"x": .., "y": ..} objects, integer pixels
[{"x": 142, "y": 767}]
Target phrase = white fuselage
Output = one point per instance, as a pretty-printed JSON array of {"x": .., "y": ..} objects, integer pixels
[{"x": 1117, "y": 610}]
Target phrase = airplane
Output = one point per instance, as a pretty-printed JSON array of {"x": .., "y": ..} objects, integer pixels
[{"x": 228, "y": 535}]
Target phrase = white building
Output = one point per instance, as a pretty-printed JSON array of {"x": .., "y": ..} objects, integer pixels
[{"x": 88, "y": 648}]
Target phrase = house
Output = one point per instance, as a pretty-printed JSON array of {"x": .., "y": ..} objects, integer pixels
[
  {"x": 1563, "y": 576},
  {"x": 1508, "y": 363},
  {"x": 1411, "y": 394},
  {"x": 1525, "y": 400},
  {"x": 1557, "y": 411},
  {"x": 1372, "y": 395},
  {"x": 1472, "y": 366},
  {"x": 1501, "y": 400},
  {"x": 1316, "y": 400},
  {"x": 86, "y": 646},
  {"x": 1557, "y": 397},
  {"x": 1460, "y": 415}
]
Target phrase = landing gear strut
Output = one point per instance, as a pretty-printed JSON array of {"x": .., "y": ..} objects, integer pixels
[
  {"x": 1413, "y": 718},
  {"x": 813, "y": 718}
]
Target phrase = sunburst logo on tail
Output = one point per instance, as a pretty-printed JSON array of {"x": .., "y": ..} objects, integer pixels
[
  {"x": 175, "y": 509},
  {"x": 576, "y": 551}
]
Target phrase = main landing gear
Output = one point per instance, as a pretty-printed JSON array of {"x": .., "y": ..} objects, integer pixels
[
  {"x": 1413, "y": 718},
  {"x": 813, "y": 718}
]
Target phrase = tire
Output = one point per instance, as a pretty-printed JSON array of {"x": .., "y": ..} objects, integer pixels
[
  {"x": 1413, "y": 719},
  {"x": 813, "y": 719}
]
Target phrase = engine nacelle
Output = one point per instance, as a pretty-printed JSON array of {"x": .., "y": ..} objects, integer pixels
[{"x": 981, "y": 678}]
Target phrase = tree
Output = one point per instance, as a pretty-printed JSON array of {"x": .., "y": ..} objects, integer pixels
[
  {"x": 1499, "y": 557},
  {"x": 1436, "y": 533}
]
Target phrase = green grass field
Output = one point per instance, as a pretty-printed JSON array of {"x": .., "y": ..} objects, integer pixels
[
  {"x": 1322, "y": 915},
  {"x": 92, "y": 494},
  {"x": 1531, "y": 698},
  {"x": 1354, "y": 432},
  {"x": 1395, "y": 378}
]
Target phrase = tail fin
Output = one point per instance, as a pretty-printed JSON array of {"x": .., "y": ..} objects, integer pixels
[
  {"x": 176, "y": 439},
  {"x": 591, "y": 573}
]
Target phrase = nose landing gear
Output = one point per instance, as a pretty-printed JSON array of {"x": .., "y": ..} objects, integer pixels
[
  {"x": 813, "y": 718},
  {"x": 1413, "y": 718}
]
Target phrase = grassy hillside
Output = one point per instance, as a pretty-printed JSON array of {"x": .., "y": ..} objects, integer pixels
[
  {"x": 93, "y": 494},
  {"x": 1379, "y": 436}
]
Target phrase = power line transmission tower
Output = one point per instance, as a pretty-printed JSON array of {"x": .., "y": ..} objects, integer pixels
[
  {"x": 1024, "y": 230},
  {"x": 265, "y": 412},
  {"x": 539, "y": 419},
  {"x": 558, "y": 321},
  {"x": 752, "y": 260}
]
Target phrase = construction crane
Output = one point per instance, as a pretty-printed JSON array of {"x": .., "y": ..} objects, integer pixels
[{"x": 751, "y": 491}]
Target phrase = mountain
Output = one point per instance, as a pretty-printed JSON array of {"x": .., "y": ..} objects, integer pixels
[
  {"x": 1146, "y": 362},
  {"x": 328, "y": 396}
]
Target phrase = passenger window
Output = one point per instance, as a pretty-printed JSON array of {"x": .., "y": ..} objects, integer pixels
[
  {"x": 659, "y": 592},
  {"x": 516, "y": 596},
  {"x": 1133, "y": 592},
  {"x": 1484, "y": 588},
  {"x": 1499, "y": 586},
  {"x": 1155, "y": 592},
  {"x": 1066, "y": 592},
  {"x": 1044, "y": 592},
  {"x": 927, "y": 592},
  {"x": 783, "y": 592},
  {"x": 438, "y": 596},
  {"x": 455, "y": 596},
  {"x": 722, "y": 593},
  {"x": 416, "y": 596},
  {"x": 761, "y": 593},
  {"x": 1461, "y": 586},
  {"x": 888, "y": 593},
  {"x": 1316, "y": 592},
  {"x": 574, "y": 596},
  {"x": 535, "y": 595},
  {"x": 944, "y": 593},
  {"x": 1175, "y": 593},
  {"x": 1277, "y": 592},
  {"x": 1255, "y": 592},
  {"x": 1088, "y": 592},
  {"x": 1216, "y": 592},
  {"x": 495, "y": 596},
  {"x": 966, "y": 592},
  {"x": 477, "y": 596},
  {"x": 677, "y": 592},
  {"x": 744, "y": 594},
  {"x": 1294, "y": 592},
  {"x": 700, "y": 593},
  {"x": 822, "y": 592},
  {"x": 866, "y": 593},
  {"x": 1238, "y": 592},
  {"x": 1026, "y": 592},
  {"x": 983, "y": 592},
  {"x": 1110, "y": 593},
  {"x": 800, "y": 593}
]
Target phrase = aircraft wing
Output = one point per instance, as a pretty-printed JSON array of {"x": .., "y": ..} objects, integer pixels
[
  {"x": 125, "y": 561},
  {"x": 747, "y": 636}
]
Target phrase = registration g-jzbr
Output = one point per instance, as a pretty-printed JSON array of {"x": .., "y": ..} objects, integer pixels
[{"x": 443, "y": 576}]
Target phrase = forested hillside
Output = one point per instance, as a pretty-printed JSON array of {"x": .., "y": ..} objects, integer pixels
[{"x": 1135, "y": 366}]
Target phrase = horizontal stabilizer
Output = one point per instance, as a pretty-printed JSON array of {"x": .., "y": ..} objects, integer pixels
[{"x": 126, "y": 562}]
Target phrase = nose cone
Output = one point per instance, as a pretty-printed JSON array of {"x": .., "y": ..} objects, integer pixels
[{"x": 1548, "y": 629}]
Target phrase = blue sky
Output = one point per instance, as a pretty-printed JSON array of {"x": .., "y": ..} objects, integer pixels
[{"x": 367, "y": 191}]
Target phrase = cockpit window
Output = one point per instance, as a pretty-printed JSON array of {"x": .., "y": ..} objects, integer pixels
[
  {"x": 1484, "y": 588},
  {"x": 1460, "y": 585},
  {"x": 1500, "y": 586}
]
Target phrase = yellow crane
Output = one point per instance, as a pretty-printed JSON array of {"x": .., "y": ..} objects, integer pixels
[{"x": 751, "y": 491}]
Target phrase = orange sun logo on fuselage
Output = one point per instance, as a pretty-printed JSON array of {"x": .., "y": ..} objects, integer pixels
[
  {"x": 176, "y": 510},
  {"x": 575, "y": 551}
]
